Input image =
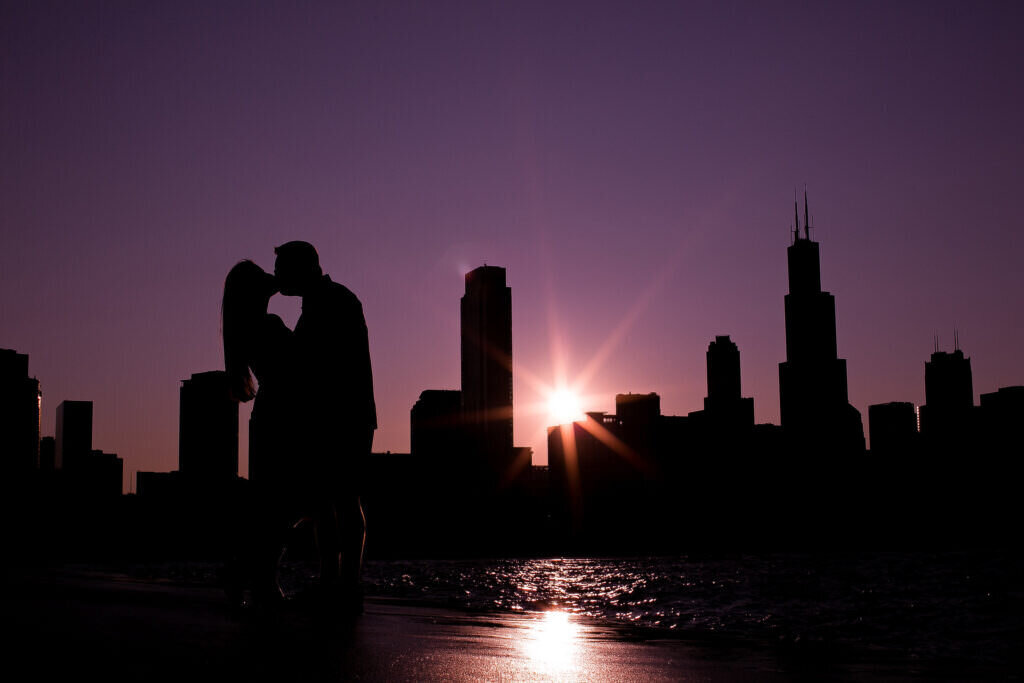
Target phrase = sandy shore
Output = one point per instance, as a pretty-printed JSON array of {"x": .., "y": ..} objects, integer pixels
[
  {"x": 82, "y": 625},
  {"x": 113, "y": 627}
]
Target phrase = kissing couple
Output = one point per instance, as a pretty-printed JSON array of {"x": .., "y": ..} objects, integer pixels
[{"x": 312, "y": 421}]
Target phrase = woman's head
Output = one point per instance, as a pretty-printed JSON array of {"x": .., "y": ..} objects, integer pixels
[{"x": 247, "y": 291}]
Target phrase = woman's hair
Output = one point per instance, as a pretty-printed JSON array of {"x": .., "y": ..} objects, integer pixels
[{"x": 247, "y": 289}]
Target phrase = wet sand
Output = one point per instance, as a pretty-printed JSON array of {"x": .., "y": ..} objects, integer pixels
[
  {"x": 109, "y": 627},
  {"x": 76, "y": 625}
]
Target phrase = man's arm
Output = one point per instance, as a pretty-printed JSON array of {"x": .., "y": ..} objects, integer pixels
[{"x": 365, "y": 373}]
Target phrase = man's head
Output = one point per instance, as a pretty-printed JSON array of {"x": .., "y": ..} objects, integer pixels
[{"x": 297, "y": 267}]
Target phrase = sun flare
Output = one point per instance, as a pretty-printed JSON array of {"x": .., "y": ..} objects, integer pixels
[{"x": 564, "y": 407}]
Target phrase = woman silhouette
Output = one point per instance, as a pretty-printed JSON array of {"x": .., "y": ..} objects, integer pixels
[{"x": 259, "y": 343}]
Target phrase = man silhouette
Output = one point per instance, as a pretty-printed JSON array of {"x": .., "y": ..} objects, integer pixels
[{"x": 339, "y": 413}]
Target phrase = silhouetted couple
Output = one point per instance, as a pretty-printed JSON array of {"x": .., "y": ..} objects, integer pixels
[{"x": 312, "y": 420}]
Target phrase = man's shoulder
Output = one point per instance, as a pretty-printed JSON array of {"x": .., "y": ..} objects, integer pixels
[
  {"x": 339, "y": 294},
  {"x": 331, "y": 302}
]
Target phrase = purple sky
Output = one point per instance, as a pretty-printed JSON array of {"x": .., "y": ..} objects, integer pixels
[{"x": 631, "y": 164}]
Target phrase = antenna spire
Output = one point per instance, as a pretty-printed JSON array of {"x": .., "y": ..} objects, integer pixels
[
  {"x": 807, "y": 219},
  {"x": 796, "y": 219},
  {"x": 956, "y": 339}
]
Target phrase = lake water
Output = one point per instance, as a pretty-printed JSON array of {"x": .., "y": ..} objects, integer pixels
[
  {"x": 958, "y": 615},
  {"x": 960, "y": 607}
]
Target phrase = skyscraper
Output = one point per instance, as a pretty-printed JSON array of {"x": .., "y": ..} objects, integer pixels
[
  {"x": 949, "y": 398},
  {"x": 487, "y": 368},
  {"x": 816, "y": 413},
  {"x": 435, "y": 426},
  {"x": 19, "y": 414},
  {"x": 1002, "y": 420},
  {"x": 724, "y": 406},
  {"x": 208, "y": 430},
  {"x": 1005, "y": 407},
  {"x": 640, "y": 411},
  {"x": 103, "y": 475},
  {"x": 47, "y": 454},
  {"x": 74, "y": 434},
  {"x": 948, "y": 382},
  {"x": 893, "y": 428}
]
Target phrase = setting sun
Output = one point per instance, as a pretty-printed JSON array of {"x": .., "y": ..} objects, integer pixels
[{"x": 564, "y": 407}]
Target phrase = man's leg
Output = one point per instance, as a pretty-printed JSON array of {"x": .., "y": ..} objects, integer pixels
[
  {"x": 328, "y": 545},
  {"x": 353, "y": 542},
  {"x": 270, "y": 521},
  {"x": 353, "y": 518}
]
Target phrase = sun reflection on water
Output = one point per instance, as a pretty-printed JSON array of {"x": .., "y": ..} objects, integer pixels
[{"x": 552, "y": 643}]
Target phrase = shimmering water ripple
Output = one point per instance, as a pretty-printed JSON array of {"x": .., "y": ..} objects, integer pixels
[
  {"x": 942, "y": 609},
  {"x": 960, "y": 605}
]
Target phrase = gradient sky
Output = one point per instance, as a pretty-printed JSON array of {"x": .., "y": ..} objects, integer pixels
[{"x": 631, "y": 164}]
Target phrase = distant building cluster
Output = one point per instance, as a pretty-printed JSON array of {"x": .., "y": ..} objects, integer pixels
[
  {"x": 715, "y": 474},
  {"x": 463, "y": 479},
  {"x": 66, "y": 462},
  {"x": 469, "y": 432},
  {"x": 207, "y": 444},
  {"x": 627, "y": 480}
]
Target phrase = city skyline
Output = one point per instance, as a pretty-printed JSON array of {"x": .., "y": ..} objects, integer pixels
[
  {"x": 805, "y": 269},
  {"x": 610, "y": 163}
]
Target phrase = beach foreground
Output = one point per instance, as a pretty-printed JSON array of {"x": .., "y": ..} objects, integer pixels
[
  {"x": 86, "y": 624},
  {"x": 114, "y": 627}
]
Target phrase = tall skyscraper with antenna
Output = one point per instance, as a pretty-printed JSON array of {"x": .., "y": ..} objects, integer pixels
[
  {"x": 946, "y": 416},
  {"x": 816, "y": 412}
]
